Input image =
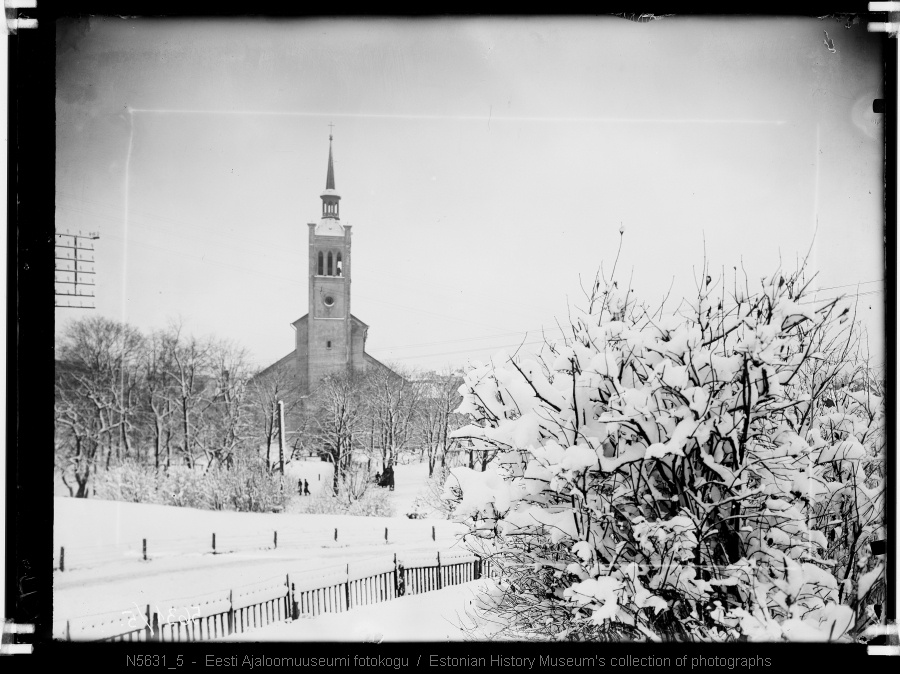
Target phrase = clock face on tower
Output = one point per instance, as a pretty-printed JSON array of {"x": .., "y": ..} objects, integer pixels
[{"x": 330, "y": 300}]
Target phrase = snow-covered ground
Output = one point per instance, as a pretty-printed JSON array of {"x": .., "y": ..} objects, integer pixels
[
  {"x": 103, "y": 542},
  {"x": 449, "y": 614}
]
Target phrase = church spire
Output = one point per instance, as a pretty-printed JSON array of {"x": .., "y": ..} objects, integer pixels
[
  {"x": 329, "y": 181},
  {"x": 330, "y": 198}
]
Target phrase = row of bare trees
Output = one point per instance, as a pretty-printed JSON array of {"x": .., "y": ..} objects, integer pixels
[
  {"x": 169, "y": 398},
  {"x": 378, "y": 415},
  {"x": 155, "y": 399}
]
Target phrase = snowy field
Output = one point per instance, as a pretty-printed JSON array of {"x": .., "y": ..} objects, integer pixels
[{"x": 103, "y": 541}]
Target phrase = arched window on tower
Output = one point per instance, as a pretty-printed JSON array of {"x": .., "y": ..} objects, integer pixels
[
  {"x": 321, "y": 263},
  {"x": 330, "y": 271},
  {"x": 340, "y": 266}
]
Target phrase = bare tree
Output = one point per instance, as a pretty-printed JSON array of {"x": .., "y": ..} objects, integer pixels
[
  {"x": 190, "y": 358},
  {"x": 265, "y": 389},
  {"x": 224, "y": 420},
  {"x": 96, "y": 395},
  {"x": 393, "y": 402},
  {"x": 337, "y": 413},
  {"x": 436, "y": 417},
  {"x": 158, "y": 394}
]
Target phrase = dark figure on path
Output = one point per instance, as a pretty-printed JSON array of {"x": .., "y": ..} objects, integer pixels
[
  {"x": 378, "y": 478},
  {"x": 300, "y": 486},
  {"x": 387, "y": 480},
  {"x": 305, "y": 488}
]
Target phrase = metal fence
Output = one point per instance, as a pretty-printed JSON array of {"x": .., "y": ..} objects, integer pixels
[{"x": 220, "y": 614}]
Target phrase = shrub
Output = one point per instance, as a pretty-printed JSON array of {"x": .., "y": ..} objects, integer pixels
[
  {"x": 128, "y": 482},
  {"x": 714, "y": 475},
  {"x": 430, "y": 502},
  {"x": 374, "y": 502},
  {"x": 246, "y": 487}
]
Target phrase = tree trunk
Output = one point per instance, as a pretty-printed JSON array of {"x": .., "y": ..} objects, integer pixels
[
  {"x": 157, "y": 441},
  {"x": 336, "y": 477},
  {"x": 184, "y": 416}
]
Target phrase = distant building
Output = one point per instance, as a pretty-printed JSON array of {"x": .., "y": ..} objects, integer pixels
[{"x": 329, "y": 338}]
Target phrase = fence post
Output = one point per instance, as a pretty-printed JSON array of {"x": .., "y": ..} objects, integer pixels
[
  {"x": 62, "y": 559},
  {"x": 148, "y": 630},
  {"x": 276, "y": 540},
  {"x": 335, "y": 534},
  {"x": 154, "y": 626},
  {"x": 440, "y": 583},
  {"x": 396, "y": 578},
  {"x": 145, "y": 549},
  {"x": 295, "y": 605},
  {"x": 68, "y": 630},
  {"x": 385, "y": 534},
  {"x": 478, "y": 568},
  {"x": 347, "y": 586},
  {"x": 214, "y": 543},
  {"x": 432, "y": 532},
  {"x": 230, "y": 611},
  {"x": 400, "y": 572}
]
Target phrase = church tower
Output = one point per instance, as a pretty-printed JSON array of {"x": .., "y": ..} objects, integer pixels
[
  {"x": 328, "y": 338},
  {"x": 334, "y": 340}
]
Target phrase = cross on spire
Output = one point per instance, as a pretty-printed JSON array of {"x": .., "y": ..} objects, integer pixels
[{"x": 330, "y": 130}]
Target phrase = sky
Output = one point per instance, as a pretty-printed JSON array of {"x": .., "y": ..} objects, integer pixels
[{"x": 486, "y": 165}]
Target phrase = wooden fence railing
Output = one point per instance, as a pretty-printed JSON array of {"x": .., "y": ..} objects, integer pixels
[{"x": 217, "y": 615}]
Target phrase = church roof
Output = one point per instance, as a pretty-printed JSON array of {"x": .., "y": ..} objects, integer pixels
[
  {"x": 329, "y": 227},
  {"x": 353, "y": 318}
]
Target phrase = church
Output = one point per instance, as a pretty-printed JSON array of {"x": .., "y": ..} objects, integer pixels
[{"x": 328, "y": 338}]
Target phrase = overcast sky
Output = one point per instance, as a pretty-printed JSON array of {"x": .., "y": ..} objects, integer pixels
[{"x": 486, "y": 167}]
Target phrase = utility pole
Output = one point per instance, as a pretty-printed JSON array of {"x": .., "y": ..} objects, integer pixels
[
  {"x": 74, "y": 269},
  {"x": 281, "y": 437}
]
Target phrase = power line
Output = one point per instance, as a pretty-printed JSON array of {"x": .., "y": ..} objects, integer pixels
[
  {"x": 462, "y": 339},
  {"x": 256, "y": 272},
  {"x": 843, "y": 297},
  {"x": 518, "y": 344},
  {"x": 848, "y": 285}
]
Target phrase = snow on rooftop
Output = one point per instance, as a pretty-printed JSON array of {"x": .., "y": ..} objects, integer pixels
[{"x": 329, "y": 227}]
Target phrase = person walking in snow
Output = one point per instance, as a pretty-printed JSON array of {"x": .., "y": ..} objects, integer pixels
[
  {"x": 387, "y": 478},
  {"x": 305, "y": 488},
  {"x": 300, "y": 486}
]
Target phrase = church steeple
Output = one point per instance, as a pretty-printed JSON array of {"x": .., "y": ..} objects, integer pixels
[
  {"x": 329, "y": 181},
  {"x": 330, "y": 198}
]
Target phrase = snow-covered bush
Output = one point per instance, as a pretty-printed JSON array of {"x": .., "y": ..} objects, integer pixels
[
  {"x": 710, "y": 475},
  {"x": 184, "y": 487},
  {"x": 373, "y": 503},
  {"x": 128, "y": 482},
  {"x": 429, "y": 501},
  {"x": 245, "y": 486}
]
